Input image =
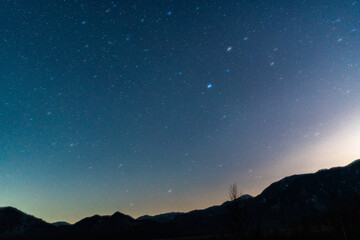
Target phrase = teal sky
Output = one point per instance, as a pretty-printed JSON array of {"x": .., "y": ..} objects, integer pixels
[{"x": 147, "y": 108}]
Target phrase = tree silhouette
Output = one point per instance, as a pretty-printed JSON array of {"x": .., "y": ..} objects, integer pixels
[{"x": 237, "y": 211}]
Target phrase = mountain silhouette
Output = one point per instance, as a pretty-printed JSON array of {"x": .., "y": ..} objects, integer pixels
[
  {"x": 161, "y": 218},
  {"x": 14, "y": 223},
  {"x": 327, "y": 201},
  {"x": 60, "y": 224}
]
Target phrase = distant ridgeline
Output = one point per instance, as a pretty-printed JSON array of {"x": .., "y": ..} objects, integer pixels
[{"x": 323, "y": 205}]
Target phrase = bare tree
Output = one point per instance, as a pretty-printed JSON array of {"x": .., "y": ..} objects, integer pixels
[
  {"x": 237, "y": 211},
  {"x": 233, "y": 192}
]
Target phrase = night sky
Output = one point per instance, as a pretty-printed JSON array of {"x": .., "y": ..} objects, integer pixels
[{"x": 147, "y": 107}]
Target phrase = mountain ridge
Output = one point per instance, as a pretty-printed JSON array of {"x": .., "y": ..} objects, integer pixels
[{"x": 284, "y": 203}]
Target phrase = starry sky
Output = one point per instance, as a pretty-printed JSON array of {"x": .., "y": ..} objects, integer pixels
[{"x": 147, "y": 107}]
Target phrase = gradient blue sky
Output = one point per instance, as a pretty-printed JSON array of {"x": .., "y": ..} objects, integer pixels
[{"x": 148, "y": 107}]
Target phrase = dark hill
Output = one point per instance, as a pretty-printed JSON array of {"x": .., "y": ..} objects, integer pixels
[
  {"x": 326, "y": 202},
  {"x": 14, "y": 223},
  {"x": 309, "y": 196}
]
